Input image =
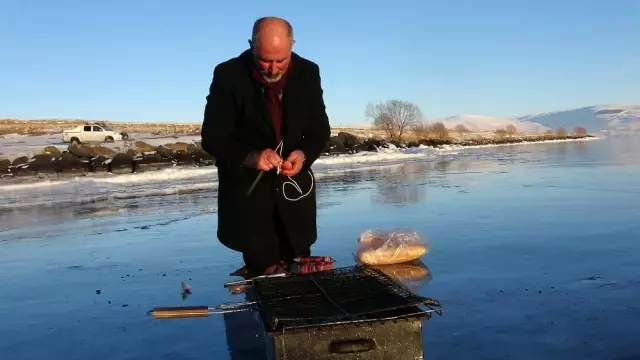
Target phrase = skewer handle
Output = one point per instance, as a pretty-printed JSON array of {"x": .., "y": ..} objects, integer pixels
[{"x": 180, "y": 312}]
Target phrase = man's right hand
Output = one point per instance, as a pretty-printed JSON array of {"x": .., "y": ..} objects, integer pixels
[{"x": 268, "y": 159}]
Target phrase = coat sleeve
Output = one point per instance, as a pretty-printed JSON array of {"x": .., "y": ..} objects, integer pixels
[
  {"x": 219, "y": 121},
  {"x": 317, "y": 134}
]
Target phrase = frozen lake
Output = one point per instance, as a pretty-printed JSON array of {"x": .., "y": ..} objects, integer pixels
[{"x": 535, "y": 254}]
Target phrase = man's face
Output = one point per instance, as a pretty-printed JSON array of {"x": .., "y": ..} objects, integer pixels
[{"x": 272, "y": 57}]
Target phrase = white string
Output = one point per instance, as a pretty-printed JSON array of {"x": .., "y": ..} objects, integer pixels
[{"x": 292, "y": 182}]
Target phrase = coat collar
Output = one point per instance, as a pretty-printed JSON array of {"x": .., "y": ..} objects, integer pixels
[{"x": 288, "y": 126}]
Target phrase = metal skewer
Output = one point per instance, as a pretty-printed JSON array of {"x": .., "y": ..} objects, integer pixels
[{"x": 198, "y": 311}]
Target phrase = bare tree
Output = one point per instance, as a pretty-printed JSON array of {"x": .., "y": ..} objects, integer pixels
[
  {"x": 461, "y": 130},
  {"x": 511, "y": 130},
  {"x": 500, "y": 133},
  {"x": 394, "y": 117},
  {"x": 420, "y": 130},
  {"x": 580, "y": 131},
  {"x": 439, "y": 131}
]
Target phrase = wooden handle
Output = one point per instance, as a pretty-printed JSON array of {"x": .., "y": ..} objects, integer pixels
[{"x": 180, "y": 312}]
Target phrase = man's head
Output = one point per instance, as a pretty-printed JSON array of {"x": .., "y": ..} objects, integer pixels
[{"x": 272, "y": 42}]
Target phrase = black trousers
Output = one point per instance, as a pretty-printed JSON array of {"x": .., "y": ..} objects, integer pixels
[{"x": 258, "y": 259}]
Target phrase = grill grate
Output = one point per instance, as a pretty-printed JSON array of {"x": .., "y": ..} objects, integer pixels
[{"x": 343, "y": 295}]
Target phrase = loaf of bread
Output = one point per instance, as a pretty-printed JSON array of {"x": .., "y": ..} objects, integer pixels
[
  {"x": 405, "y": 272},
  {"x": 376, "y": 248},
  {"x": 391, "y": 255}
]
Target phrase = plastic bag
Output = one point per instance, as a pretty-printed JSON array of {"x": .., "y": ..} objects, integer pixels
[
  {"x": 390, "y": 247},
  {"x": 413, "y": 274}
]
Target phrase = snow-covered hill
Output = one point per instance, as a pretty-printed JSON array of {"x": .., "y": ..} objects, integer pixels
[
  {"x": 607, "y": 118},
  {"x": 477, "y": 123}
]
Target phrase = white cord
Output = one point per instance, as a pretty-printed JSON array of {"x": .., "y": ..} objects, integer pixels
[{"x": 293, "y": 182}]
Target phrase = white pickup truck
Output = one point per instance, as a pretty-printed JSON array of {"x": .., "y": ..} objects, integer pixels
[{"x": 92, "y": 133}]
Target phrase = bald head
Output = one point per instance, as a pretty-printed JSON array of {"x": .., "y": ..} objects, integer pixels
[
  {"x": 272, "y": 42},
  {"x": 272, "y": 29}
]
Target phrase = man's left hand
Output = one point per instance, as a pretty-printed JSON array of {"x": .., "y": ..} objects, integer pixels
[{"x": 293, "y": 164}]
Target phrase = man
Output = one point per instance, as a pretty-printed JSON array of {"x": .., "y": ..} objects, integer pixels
[{"x": 266, "y": 97}]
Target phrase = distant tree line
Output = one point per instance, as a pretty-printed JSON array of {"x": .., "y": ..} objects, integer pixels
[{"x": 397, "y": 118}]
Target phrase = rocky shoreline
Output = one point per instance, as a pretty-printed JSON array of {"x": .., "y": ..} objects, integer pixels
[{"x": 79, "y": 160}]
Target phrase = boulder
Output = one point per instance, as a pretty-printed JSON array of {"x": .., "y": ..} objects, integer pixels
[
  {"x": 104, "y": 151},
  {"x": 71, "y": 163},
  {"x": 98, "y": 163},
  {"x": 52, "y": 150},
  {"x": 4, "y": 166},
  {"x": 165, "y": 152},
  {"x": 335, "y": 146},
  {"x": 80, "y": 150},
  {"x": 43, "y": 162},
  {"x": 134, "y": 153},
  {"x": 433, "y": 142},
  {"x": 200, "y": 154},
  {"x": 348, "y": 140},
  {"x": 184, "y": 157},
  {"x": 20, "y": 160},
  {"x": 143, "y": 147},
  {"x": 178, "y": 146},
  {"x": 398, "y": 144},
  {"x": 121, "y": 162},
  {"x": 374, "y": 144},
  {"x": 155, "y": 160}
]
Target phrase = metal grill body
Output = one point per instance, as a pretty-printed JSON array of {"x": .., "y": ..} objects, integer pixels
[{"x": 355, "y": 312}]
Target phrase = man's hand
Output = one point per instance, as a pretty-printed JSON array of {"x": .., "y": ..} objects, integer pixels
[
  {"x": 268, "y": 159},
  {"x": 293, "y": 164}
]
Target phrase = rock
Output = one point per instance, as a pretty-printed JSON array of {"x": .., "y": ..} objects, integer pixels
[
  {"x": 121, "y": 161},
  {"x": 104, "y": 151},
  {"x": 40, "y": 163},
  {"x": 348, "y": 140},
  {"x": 133, "y": 153},
  {"x": 99, "y": 163},
  {"x": 4, "y": 166},
  {"x": 184, "y": 157},
  {"x": 52, "y": 150},
  {"x": 80, "y": 150},
  {"x": 154, "y": 160},
  {"x": 374, "y": 144},
  {"x": 200, "y": 154},
  {"x": 433, "y": 142},
  {"x": 335, "y": 146},
  {"x": 69, "y": 163},
  {"x": 20, "y": 160},
  {"x": 398, "y": 144},
  {"x": 178, "y": 146},
  {"x": 143, "y": 147},
  {"x": 165, "y": 152}
]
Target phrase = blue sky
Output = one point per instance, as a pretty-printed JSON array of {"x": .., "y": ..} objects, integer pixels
[{"x": 149, "y": 60}]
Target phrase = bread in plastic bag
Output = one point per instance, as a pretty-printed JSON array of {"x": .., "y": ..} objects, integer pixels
[
  {"x": 390, "y": 247},
  {"x": 413, "y": 274}
]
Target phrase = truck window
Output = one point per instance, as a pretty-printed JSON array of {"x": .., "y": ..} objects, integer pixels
[
  {"x": 97, "y": 128},
  {"x": 87, "y": 128}
]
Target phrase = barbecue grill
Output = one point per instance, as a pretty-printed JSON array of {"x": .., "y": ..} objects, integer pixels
[{"x": 355, "y": 312}]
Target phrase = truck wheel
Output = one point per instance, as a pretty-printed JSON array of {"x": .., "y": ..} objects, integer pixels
[
  {"x": 108, "y": 139},
  {"x": 75, "y": 141}
]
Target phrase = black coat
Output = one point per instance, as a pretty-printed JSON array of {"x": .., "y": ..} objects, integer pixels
[{"x": 237, "y": 122}]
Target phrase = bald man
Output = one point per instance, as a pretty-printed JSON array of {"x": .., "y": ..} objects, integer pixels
[{"x": 265, "y": 123}]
